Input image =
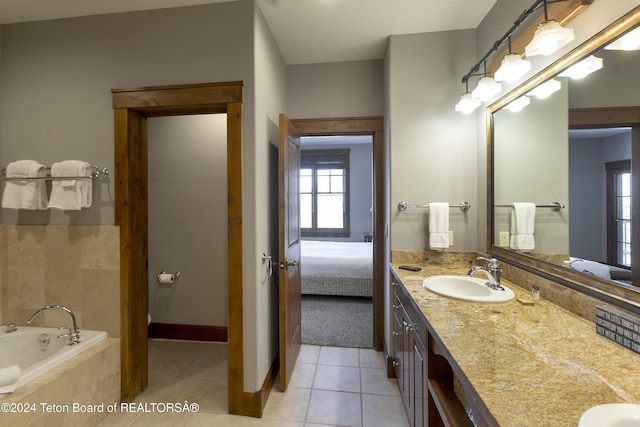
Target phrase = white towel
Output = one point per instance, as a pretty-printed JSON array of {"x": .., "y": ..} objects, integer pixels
[
  {"x": 71, "y": 194},
  {"x": 523, "y": 216},
  {"x": 28, "y": 194},
  {"x": 438, "y": 225},
  {"x": 9, "y": 376}
]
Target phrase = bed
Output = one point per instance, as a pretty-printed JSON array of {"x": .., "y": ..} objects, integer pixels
[{"x": 337, "y": 268}]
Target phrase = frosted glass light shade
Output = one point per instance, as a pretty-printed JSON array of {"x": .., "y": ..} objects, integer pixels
[
  {"x": 467, "y": 103},
  {"x": 583, "y": 68},
  {"x": 518, "y": 104},
  {"x": 548, "y": 38},
  {"x": 630, "y": 41},
  {"x": 546, "y": 89},
  {"x": 512, "y": 68},
  {"x": 486, "y": 89}
]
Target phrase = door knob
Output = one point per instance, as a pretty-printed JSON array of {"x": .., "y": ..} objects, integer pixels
[{"x": 286, "y": 264}]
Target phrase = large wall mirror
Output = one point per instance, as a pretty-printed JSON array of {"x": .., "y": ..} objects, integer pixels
[{"x": 575, "y": 154}]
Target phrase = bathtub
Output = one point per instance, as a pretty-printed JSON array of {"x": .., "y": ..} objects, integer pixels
[{"x": 23, "y": 348}]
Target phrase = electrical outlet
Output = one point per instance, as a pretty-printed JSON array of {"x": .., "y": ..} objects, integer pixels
[
  {"x": 504, "y": 238},
  {"x": 450, "y": 237}
]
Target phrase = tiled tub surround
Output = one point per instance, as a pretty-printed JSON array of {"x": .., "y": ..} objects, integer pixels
[
  {"x": 530, "y": 365},
  {"x": 74, "y": 266},
  {"x": 90, "y": 378}
]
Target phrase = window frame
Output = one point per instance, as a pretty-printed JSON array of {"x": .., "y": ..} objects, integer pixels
[
  {"x": 613, "y": 169},
  {"x": 310, "y": 159}
]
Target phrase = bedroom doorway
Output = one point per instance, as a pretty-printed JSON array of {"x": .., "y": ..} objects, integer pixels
[{"x": 370, "y": 129}]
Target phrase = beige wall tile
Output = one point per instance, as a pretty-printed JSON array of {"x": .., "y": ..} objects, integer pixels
[
  {"x": 62, "y": 247},
  {"x": 25, "y": 246},
  {"x": 100, "y": 247}
]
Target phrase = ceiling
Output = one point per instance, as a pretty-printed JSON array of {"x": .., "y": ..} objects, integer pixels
[{"x": 307, "y": 31}]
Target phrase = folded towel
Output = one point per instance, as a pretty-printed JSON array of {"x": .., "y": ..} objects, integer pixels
[
  {"x": 28, "y": 194},
  {"x": 523, "y": 215},
  {"x": 9, "y": 376},
  {"x": 71, "y": 194},
  {"x": 438, "y": 225}
]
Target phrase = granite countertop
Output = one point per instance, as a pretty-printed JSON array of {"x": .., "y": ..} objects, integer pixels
[{"x": 531, "y": 365}]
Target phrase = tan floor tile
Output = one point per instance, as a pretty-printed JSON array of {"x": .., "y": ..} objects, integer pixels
[
  {"x": 339, "y": 356},
  {"x": 335, "y": 407},
  {"x": 383, "y": 411},
  {"x": 291, "y": 405},
  {"x": 370, "y": 358},
  {"x": 375, "y": 381},
  {"x": 337, "y": 378}
]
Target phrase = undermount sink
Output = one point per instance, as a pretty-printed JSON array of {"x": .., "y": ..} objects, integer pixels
[
  {"x": 611, "y": 415},
  {"x": 466, "y": 288}
]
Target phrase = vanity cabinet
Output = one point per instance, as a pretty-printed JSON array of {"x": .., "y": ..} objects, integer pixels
[{"x": 425, "y": 378}]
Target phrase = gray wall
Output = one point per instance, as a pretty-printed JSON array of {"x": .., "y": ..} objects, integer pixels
[
  {"x": 188, "y": 218},
  {"x": 344, "y": 89},
  {"x": 433, "y": 149},
  {"x": 56, "y": 86},
  {"x": 57, "y": 78}
]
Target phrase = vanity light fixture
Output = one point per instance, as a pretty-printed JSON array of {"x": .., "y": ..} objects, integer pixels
[
  {"x": 512, "y": 67},
  {"x": 518, "y": 104},
  {"x": 486, "y": 89},
  {"x": 630, "y": 41},
  {"x": 546, "y": 89},
  {"x": 467, "y": 102},
  {"x": 548, "y": 37},
  {"x": 583, "y": 68}
]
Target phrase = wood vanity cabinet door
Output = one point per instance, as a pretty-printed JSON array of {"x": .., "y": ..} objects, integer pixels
[{"x": 419, "y": 388}]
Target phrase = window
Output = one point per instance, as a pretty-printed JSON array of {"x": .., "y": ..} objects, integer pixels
[
  {"x": 324, "y": 193},
  {"x": 619, "y": 213}
]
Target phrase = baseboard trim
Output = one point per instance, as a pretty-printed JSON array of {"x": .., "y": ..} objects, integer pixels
[
  {"x": 188, "y": 332},
  {"x": 252, "y": 404}
]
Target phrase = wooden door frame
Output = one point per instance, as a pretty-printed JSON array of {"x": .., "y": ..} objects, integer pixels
[
  {"x": 132, "y": 107},
  {"x": 373, "y": 126}
]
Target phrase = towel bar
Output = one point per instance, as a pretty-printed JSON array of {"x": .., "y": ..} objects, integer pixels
[
  {"x": 554, "y": 206},
  {"x": 464, "y": 206},
  {"x": 98, "y": 173}
]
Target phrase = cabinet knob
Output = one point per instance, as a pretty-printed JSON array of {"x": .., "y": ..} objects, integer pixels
[
  {"x": 396, "y": 334},
  {"x": 410, "y": 328},
  {"x": 395, "y": 364},
  {"x": 395, "y": 306}
]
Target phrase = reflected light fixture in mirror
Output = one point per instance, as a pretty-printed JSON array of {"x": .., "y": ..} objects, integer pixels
[
  {"x": 546, "y": 89},
  {"x": 548, "y": 37},
  {"x": 518, "y": 104},
  {"x": 583, "y": 68},
  {"x": 630, "y": 41}
]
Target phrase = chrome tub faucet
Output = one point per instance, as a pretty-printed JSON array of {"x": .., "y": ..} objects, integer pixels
[{"x": 74, "y": 332}]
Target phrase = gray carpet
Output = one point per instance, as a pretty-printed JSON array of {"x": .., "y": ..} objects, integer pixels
[{"x": 337, "y": 321}]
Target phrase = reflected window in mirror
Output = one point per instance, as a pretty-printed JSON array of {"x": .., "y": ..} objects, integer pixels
[{"x": 619, "y": 212}]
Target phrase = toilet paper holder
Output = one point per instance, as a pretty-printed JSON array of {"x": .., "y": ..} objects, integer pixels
[{"x": 164, "y": 277}]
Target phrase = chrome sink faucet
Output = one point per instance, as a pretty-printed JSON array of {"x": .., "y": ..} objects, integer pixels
[
  {"x": 492, "y": 271},
  {"x": 74, "y": 333}
]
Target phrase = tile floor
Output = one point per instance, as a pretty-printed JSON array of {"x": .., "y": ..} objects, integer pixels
[{"x": 330, "y": 386}]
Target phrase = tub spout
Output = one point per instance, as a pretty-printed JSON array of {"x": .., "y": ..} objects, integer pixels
[{"x": 74, "y": 333}]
